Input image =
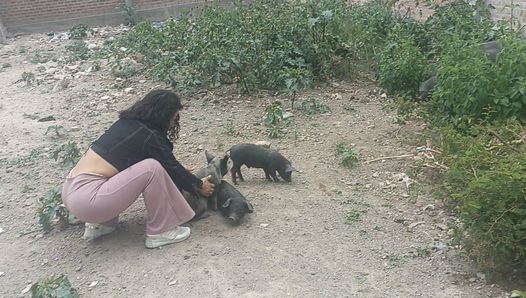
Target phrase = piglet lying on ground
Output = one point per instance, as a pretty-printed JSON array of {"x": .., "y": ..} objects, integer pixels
[
  {"x": 232, "y": 203},
  {"x": 252, "y": 155}
]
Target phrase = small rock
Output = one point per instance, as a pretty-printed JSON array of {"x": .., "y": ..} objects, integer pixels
[
  {"x": 74, "y": 128},
  {"x": 61, "y": 85},
  {"x": 26, "y": 289},
  {"x": 200, "y": 147},
  {"x": 384, "y": 95},
  {"x": 287, "y": 115},
  {"x": 265, "y": 144},
  {"x": 105, "y": 97},
  {"x": 92, "y": 46},
  {"x": 481, "y": 276},
  {"x": 413, "y": 225},
  {"x": 51, "y": 70},
  {"x": 93, "y": 283},
  {"x": 1, "y": 232},
  {"x": 429, "y": 207},
  {"x": 72, "y": 68},
  {"x": 472, "y": 279},
  {"x": 375, "y": 174},
  {"x": 263, "y": 225},
  {"x": 129, "y": 90},
  {"x": 173, "y": 282},
  {"x": 2, "y": 274},
  {"x": 439, "y": 247}
]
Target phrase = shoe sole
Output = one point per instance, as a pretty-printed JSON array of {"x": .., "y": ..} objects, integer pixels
[{"x": 159, "y": 243}]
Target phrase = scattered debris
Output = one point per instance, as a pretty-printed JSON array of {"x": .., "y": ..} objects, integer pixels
[
  {"x": 93, "y": 283},
  {"x": 173, "y": 282},
  {"x": 48, "y": 118},
  {"x": 26, "y": 289},
  {"x": 413, "y": 225}
]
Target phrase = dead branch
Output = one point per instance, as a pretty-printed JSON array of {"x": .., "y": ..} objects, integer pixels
[{"x": 390, "y": 157}]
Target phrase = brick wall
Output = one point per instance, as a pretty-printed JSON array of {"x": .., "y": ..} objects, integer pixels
[
  {"x": 46, "y": 15},
  {"x": 501, "y": 11}
]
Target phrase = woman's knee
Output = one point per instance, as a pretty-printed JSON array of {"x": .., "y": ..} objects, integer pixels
[{"x": 152, "y": 164}]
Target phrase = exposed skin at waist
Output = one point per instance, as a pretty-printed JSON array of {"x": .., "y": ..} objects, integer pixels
[{"x": 92, "y": 163}]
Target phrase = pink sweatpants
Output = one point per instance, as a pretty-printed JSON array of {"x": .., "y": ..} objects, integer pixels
[{"x": 96, "y": 199}]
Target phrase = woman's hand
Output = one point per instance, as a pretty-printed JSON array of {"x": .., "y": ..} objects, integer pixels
[{"x": 208, "y": 187}]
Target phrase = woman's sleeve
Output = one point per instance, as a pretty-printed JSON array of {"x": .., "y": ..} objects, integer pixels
[{"x": 161, "y": 150}]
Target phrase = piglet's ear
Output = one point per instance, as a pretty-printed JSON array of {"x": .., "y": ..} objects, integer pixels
[
  {"x": 250, "y": 207},
  {"x": 209, "y": 156},
  {"x": 227, "y": 203}
]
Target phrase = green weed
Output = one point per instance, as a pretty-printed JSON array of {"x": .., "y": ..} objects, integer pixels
[
  {"x": 79, "y": 31},
  {"x": 51, "y": 207},
  {"x": 29, "y": 78},
  {"x": 53, "y": 287},
  {"x": 312, "y": 106},
  {"x": 349, "y": 158},
  {"x": 68, "y": 153}
]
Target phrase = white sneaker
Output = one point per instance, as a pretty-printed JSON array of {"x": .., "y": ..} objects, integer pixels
[
  {"x": 93, "y": 231},
  {"x": 173, "y": 236}
]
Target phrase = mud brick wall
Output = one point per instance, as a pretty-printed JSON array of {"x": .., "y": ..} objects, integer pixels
[{"x": 47, "y": 15}]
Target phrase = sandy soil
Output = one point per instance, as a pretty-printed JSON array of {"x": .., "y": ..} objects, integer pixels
[{"x": 367, "y": 231}]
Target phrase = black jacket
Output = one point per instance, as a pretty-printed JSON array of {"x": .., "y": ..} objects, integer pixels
[{"x": 128, "y": 141}]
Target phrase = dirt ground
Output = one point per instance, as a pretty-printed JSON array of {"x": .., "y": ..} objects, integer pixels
[{"x": 366, "y": 231}]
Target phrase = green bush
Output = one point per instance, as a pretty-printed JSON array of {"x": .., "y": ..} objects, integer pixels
[
  {"x": 486, "y": 187},
  {"x": 249, "y": 46},
  {"x": 471, "y": 88},
  {"x": 401, "y": 64}
]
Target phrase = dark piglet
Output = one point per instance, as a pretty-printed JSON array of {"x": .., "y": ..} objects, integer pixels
[
  {"x": 232, "y": 204},
  {"x": 256, "y": 156},
  {"x": 216, "y": 169}
]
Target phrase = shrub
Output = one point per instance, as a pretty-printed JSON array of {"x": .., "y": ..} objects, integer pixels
[
  {"x": 486, "y": 187},
  {"x": 249, "y": 46},
  {"x": 401, "y": 64},
  {"x": 472, "y": 89}
]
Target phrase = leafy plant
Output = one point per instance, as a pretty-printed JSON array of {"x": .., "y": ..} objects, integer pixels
[
  {"x": 348, "y": 156},
  {"x": 129, "y": 13},
  {"x": 312, "y": 106},
  {"x": 59, "y": 287},
  {"x": 38, "y": 56},
  {"x": 353, "y": 215},
  {"x": 79, "y": 50},
  {"x": 268, "y": 44},
  {"x": 296, "y": 79},
  {"x": 29, "y": 78},
  {"x": 401, "y": 64},
  {"x": 230, "y": 128},
  {"x": 486, "y": 187},
  {"x": 79, "y": 31},
  {"x": 51, "y": 207},
  {"x": 274, "y": 118},
  {"x": 68, "y": 154}
]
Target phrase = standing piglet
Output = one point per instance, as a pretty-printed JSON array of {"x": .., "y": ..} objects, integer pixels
[{"x": 252, "y": 155}]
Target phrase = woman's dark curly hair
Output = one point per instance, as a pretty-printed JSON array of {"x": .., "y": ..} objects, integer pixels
[{"x": 157, "y": 108}]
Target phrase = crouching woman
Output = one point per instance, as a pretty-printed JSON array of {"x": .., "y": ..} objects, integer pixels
[{"x": 135, "y": 156}]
